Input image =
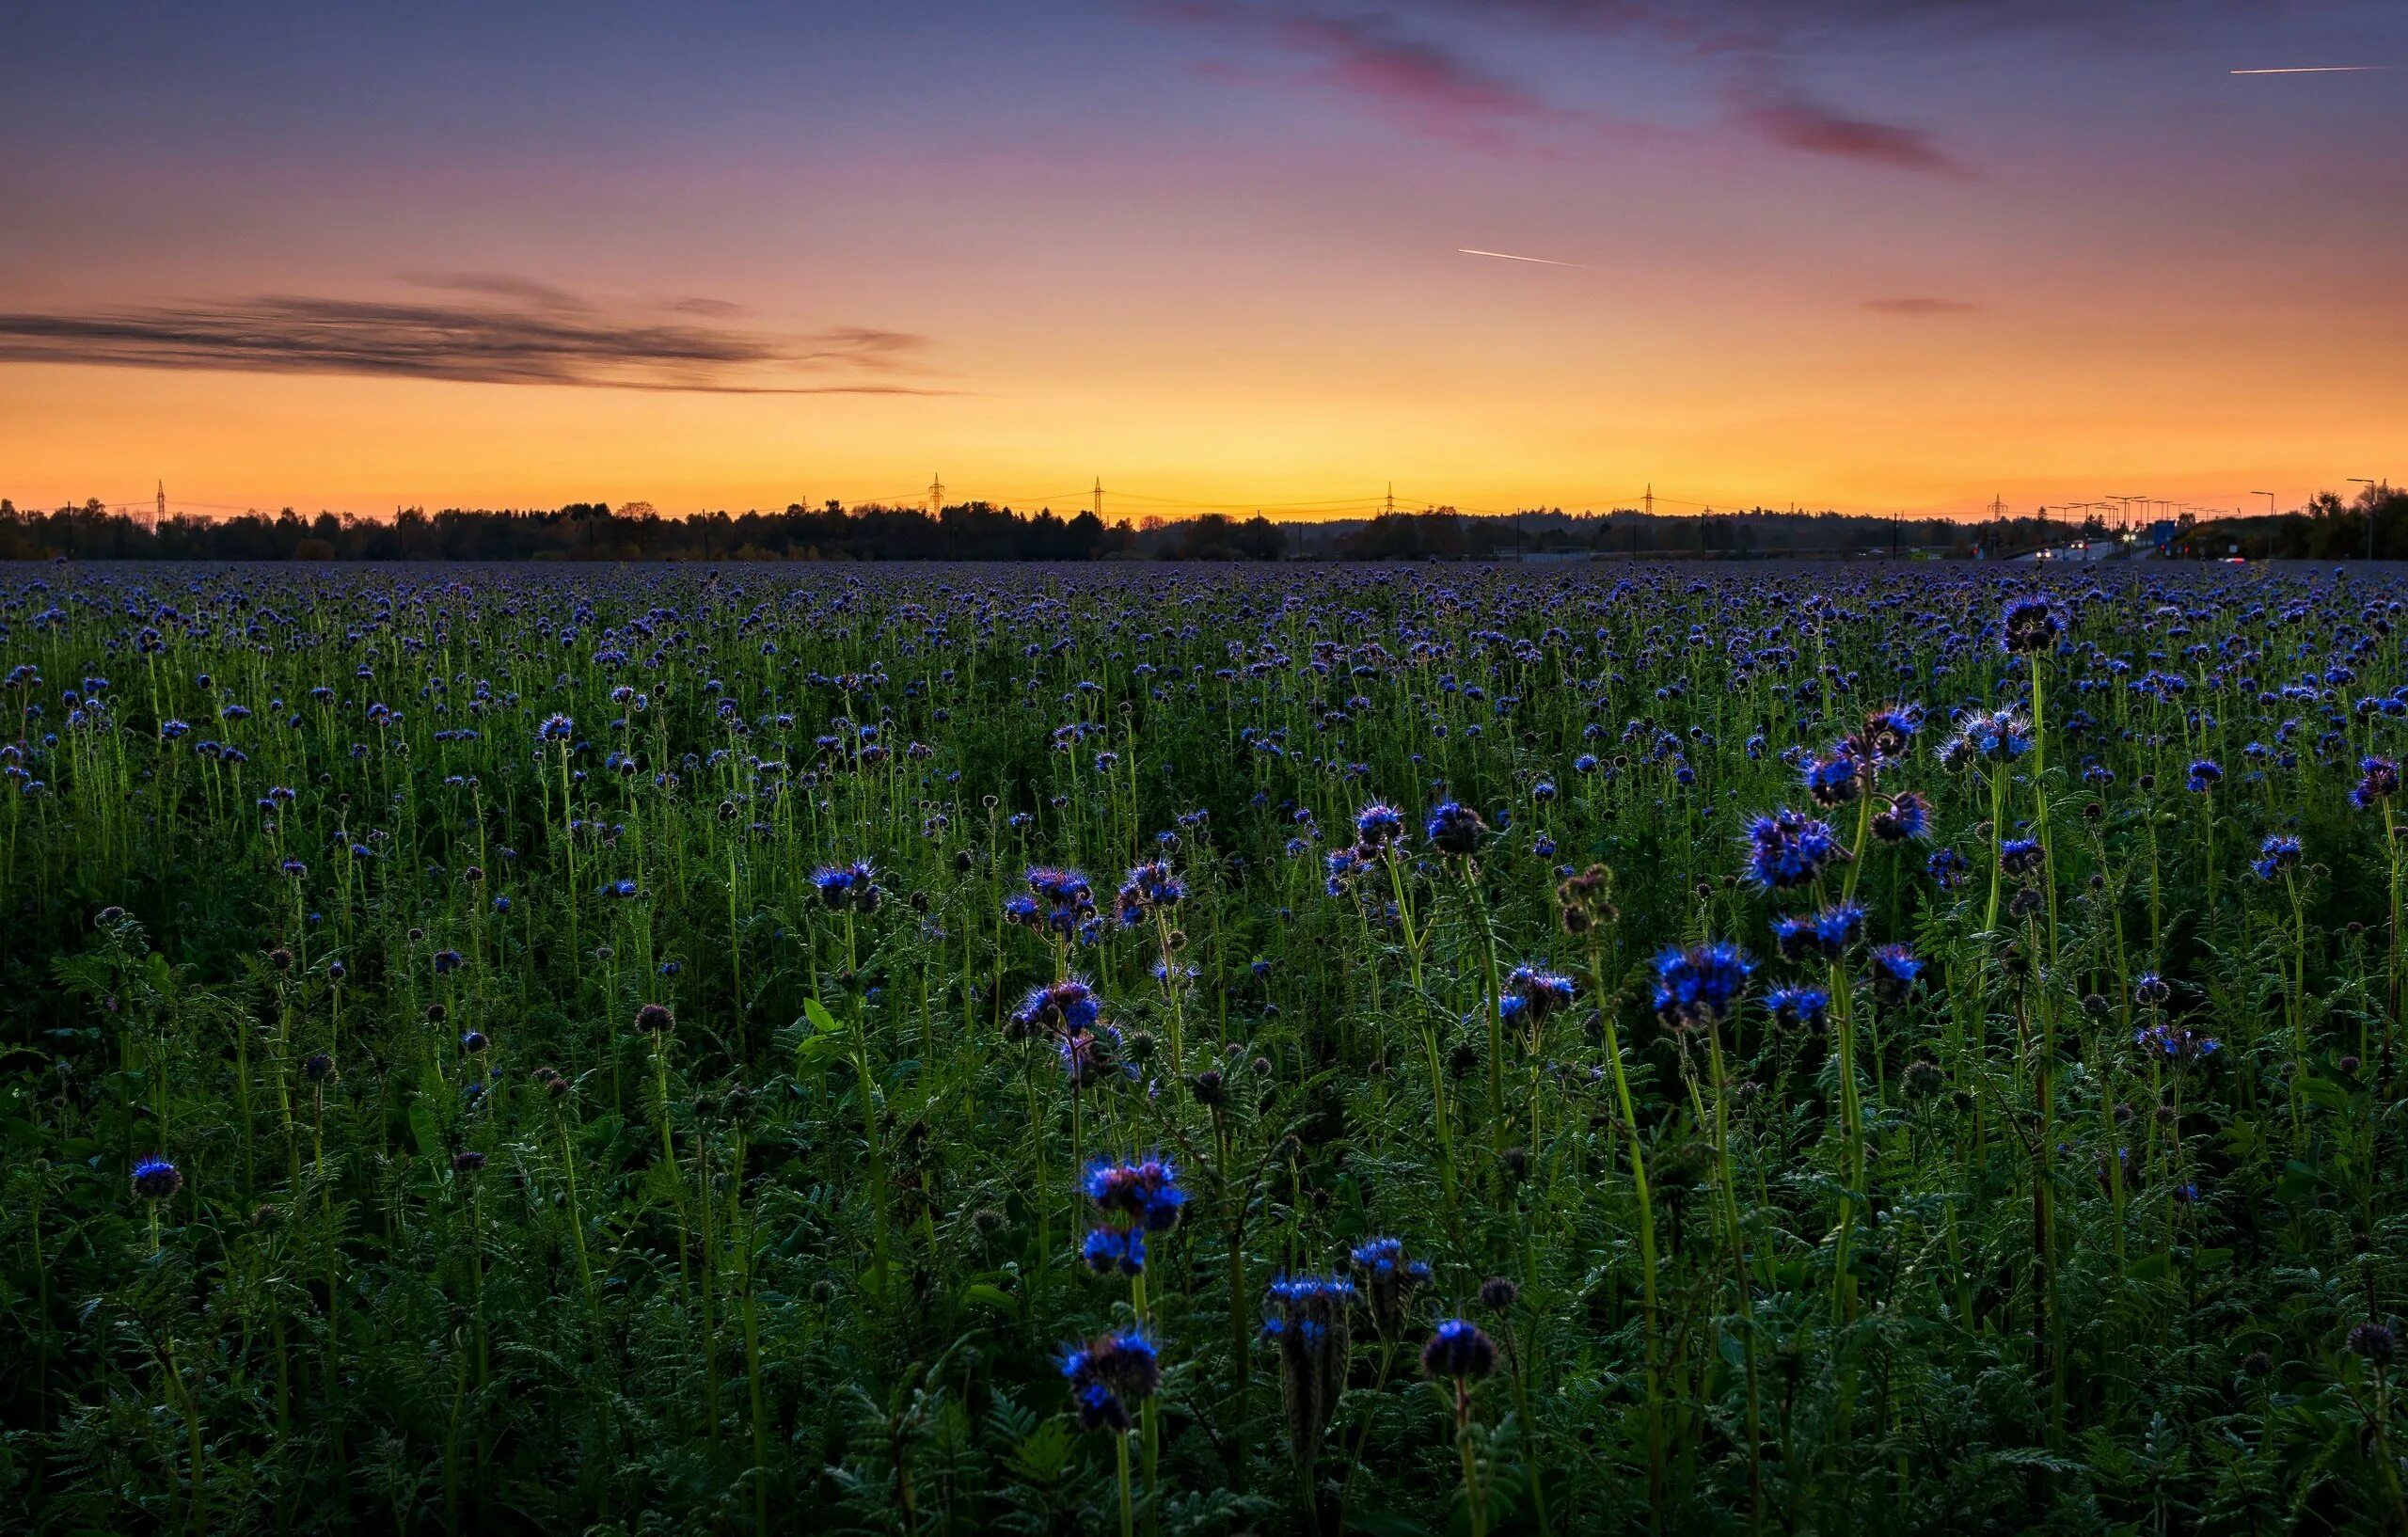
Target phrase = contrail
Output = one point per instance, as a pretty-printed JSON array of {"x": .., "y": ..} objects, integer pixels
[
  {"x": 2318, "y": 69},
  {"x": 1508, "y": 256}
]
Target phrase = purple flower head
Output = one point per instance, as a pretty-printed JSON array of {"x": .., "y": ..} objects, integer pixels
[
  {"x": 1789, "y": 849},
  {"x": 1700, "y": 984}
]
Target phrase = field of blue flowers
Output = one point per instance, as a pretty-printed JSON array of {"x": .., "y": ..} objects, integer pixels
[{"x": 963, "y": 1049}]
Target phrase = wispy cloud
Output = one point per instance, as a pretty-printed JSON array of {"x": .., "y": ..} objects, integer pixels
[
  {"x": 1922, "y": 309},
  {"x": 1426, "y": 87},
  {"x": 528, "y": 333},
  {"x": 1795, "y": 124},
  {"x": 1435, "y": 87}
]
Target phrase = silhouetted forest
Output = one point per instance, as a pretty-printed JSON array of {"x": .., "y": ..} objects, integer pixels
[{"x": 2330, "y": 529}]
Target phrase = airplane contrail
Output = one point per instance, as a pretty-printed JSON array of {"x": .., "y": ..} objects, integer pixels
[
  {"x": 1508, "y": 256},
  {"x": 2318, "y": 69}
]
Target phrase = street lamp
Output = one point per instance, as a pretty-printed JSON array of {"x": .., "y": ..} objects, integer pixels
[{"x": 2360, "y": 479}]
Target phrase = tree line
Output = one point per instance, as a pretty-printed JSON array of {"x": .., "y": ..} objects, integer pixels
[{"x": 2328, "y": 529}]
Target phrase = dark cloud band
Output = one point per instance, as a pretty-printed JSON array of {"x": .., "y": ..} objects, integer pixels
[{"x": 530, "y": 334}]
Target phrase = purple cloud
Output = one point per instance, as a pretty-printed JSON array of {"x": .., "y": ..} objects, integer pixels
[{"x": 1795, "y": 124}]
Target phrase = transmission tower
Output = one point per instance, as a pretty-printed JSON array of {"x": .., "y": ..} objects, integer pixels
[
  {"x": 1391, "y": 501},
  {"x": 1099, "y": 498},
  {"x": 1648, "y": 501},
  {"x": 159, "y": 510},
  {"x": 936, "y": 494}
]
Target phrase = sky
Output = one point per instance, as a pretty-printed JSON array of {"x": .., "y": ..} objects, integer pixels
[{"x": 1877, "y": 255}]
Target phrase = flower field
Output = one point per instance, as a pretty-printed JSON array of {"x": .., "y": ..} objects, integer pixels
[{"x": 951, "y": 1048}]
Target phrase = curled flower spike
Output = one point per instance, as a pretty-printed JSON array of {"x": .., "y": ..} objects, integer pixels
[
  {"x": 1146, "y": 1191},
  {"x": 1895, "y": 971},
  {"x": 1377, "y": 826},
  {"x": 847, "y": 887},
  {"x": 2277, "y": 856},
  {"x": 1836, "y": 780},
  {"x": 1788, "y": 850},
  {"x": 1907, "y": 818},
  {"x": 1532, "y": 994},
  {"x": 2174, "y": 1043},
  {"x": 1460, "y": 1350},
  {"x": 156, "y": 1179},
  {"x": 2379, "y": 781},
  {"x": 1701, "y": 984},
  {"x": 1389, "y": 1279},
  {"x": 1455, "y": 829},
  {"x": 2030, "y": 627},
  {"x": 1805, "y": 1006},
  {"x": 1150, "y": 886},
  {"x": 1108, "y": 1374},
  {"x": 1307, "y": 1323},
  {"x": 1108, "y": 1249}
]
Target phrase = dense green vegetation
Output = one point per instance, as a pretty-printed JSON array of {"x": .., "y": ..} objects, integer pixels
[{"x": 628, "y": 1049}]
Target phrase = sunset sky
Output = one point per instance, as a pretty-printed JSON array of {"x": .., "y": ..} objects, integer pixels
[{"x": 1868, "y": 254}]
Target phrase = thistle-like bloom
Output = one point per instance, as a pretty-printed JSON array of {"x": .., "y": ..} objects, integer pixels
[
  {"x": 1947, "y": 869},
  {"x": 1895, "y": 971},
  {"x": 1699, "y": 984},
  {"x": 1459, "y": 1349},
  {"x": 1789, "y": 849},
  {"x": 2206, "y": 774},
  {"x": 156, "y": 1179},
  {"x": 1109, "y": 1373},
  {"x": 2019, "y": 857},
  {"x": 1067, "y": 1005},
  {"x": 1532, "y": 994},
  {"x": 2171, "y": 1042},
  {"x": 2149, "y": 990},
  {"x": 1804, "y": 1007},
  {"x": 1907, "y": 816},
  {"x": 2379, "y": 780},
  {"x": 2032, "y": 626},
  {"x": 1839, "y": 926},
  {"x": 1150, "y": 886},
  {"x": 1376, "y": 826},
  {"x": 1888, "y": 732},
  {"x": 1146, "y": 1191},
  {"x": 2277, "y": 856},
  {"x": 1455, "y": 829},
  {"x": 847, "y": 887},
  {"x": 1108, "y": 1249},
  {"x": 1835, "y": 780},
  {"x": 1991, "y": 737},
  {"x": 1059, "y": 901},
  {"x": 557, "y": 728}
]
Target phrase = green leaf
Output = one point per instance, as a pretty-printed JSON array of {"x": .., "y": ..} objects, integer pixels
[
  {"x": 988, "y": 1294},
  {"x": 821, "y": 1020}
]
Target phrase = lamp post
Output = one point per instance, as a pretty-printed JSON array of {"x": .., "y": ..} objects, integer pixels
[{"x": 2360, "y": 479}]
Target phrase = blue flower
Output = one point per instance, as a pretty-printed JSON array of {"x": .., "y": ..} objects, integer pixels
[
  {"x": 1789, "y": 849},
  {"x": 1108, "y": 1249},
  {"x": 1896, "y": 970},
  {"x": 1907, "y": 816},
  {"x": 2206, "y": 773},
  {"x": 1700, "y": 984},
  {"x": 1146, "y": 1191},
  {"x": 1833, "y": 781},
  {"x": 1530, "y": 991},
  {"x": 2031, "y": 625},
  {"x": 156, "y": 1179},
  {"x": 1460, "y": 1350},
  {"x": 1799, "y": 1005},
  {"x": 1455, "y": 829},
  {"x": 2275, "y": 856}
]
